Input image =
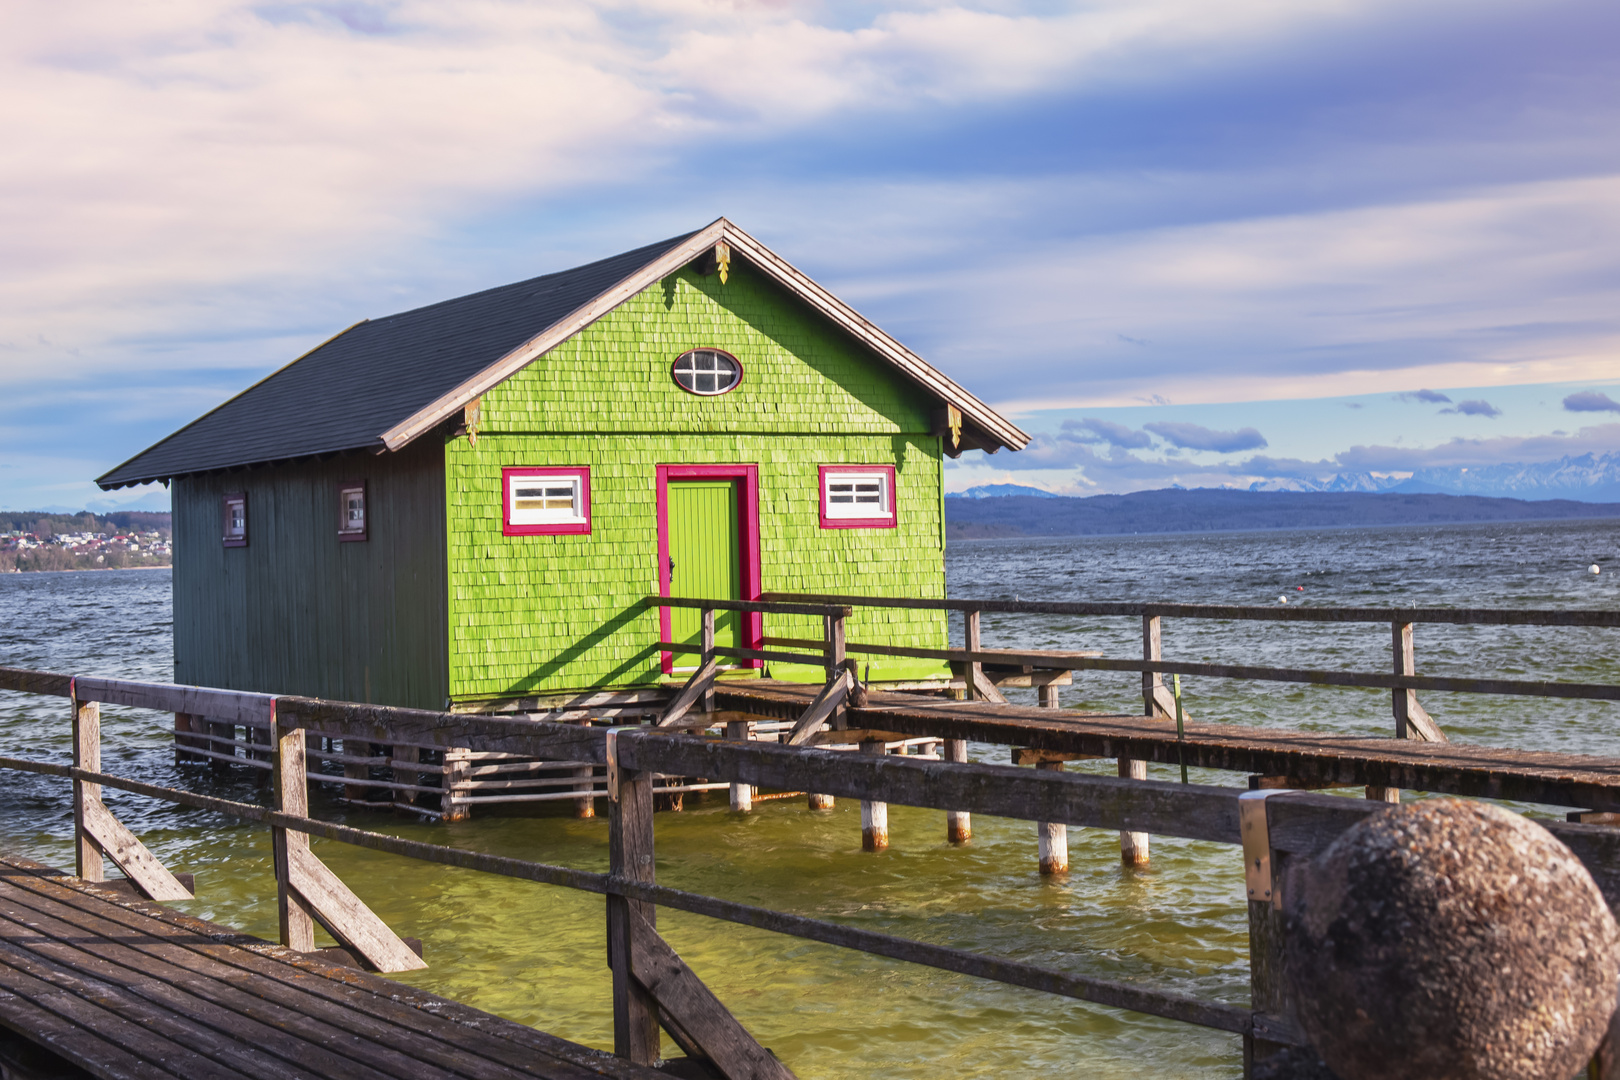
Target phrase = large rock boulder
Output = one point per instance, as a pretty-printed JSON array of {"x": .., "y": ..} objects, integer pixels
[{"x": 1450, "y": 940}]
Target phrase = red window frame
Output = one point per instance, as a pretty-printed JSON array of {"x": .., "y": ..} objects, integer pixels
[
  {"x": 568, "y": 528},
  {"x": 828, "y": 522},
  {"x": 225, "y": 501}
]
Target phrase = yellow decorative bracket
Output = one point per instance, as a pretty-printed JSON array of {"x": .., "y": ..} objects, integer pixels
[
  {"x": 722, "y": 259},
  {"x": 471, "y": 416}
]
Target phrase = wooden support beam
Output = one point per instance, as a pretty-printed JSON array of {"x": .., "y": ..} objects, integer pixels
[
  {"x": 706, "y": 636},
  {"x": 1411, "y": 720},
  {"x": 874, "y": 814},
  {"x": 585, "y": 805},
  {"x": 289, "y": 793},
  {"x": 1052, "y": 837},
  {"x": 87, "y": 854},
  {"x": 131, "y": 856},
  {"x": 700, "y": 685},
  {"x": 958, "y": 823},
  {"x": 1027, "y": 755},
  {"x": 630, "y": 856},
  {"x": 692, "y": 1015},
  {"x": 833, "y": 631},
  {"x": 345, "y": 915},
  {"x": 825, "y": 707},
  {"x": 1049, "y": 695}
]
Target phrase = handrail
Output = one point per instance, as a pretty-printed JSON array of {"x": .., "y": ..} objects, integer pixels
[
  {"x": 1457, "y": 616},
  {"x": 769, "y": 607}
]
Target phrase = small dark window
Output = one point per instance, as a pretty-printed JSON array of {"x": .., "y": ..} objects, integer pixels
[
  {"x": 233, "y": 512},
  {"x": 352, "y": 510},
  {"x": 707, "y": 371}
]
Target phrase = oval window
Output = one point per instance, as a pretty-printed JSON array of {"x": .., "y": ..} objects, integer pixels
[{"x": 707, "y": 371}]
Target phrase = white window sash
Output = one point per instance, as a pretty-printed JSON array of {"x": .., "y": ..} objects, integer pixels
[{"x": 857, "y": 495}]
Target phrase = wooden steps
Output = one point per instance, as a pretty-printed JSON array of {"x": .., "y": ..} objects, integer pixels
[{"x": 121, "y": 987}]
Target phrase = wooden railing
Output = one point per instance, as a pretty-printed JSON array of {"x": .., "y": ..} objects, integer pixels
[
  {"x": 1411, "y": 720},
  {"x": 651, "y": 987}
]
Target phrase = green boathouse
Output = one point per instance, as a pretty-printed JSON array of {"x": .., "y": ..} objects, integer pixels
[{"x": 465, "y": 505}]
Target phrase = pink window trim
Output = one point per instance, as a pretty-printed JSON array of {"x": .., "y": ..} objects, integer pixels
[
  {"x": 225, "y": 501},
  {"x": 572, "y": 528},
  {"x": 748, "y": 527},
  {"x": 828, "y": 522}
]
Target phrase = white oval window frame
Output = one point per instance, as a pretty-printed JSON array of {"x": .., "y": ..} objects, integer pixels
[{"x": 674, "y": 373}]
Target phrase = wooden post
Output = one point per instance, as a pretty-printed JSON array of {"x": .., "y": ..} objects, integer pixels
[
  {"x": 1052, "y": 838},
  {"x": 742, "y": 795},
  {"x": 184, "y": 741},
  {"x": 958, "y": 823},
  {"x": 354, "y": 771},
  {"x": 970, "y": 641},
  {"x": 1049, "y": 696},
  {"x": 407, "y": 775},
  {"x": 834, "y": 649},
  {"x": 707, "y": 702},
  {"x": 456, "y": 781},
  {"x": 224, "y": 742},
  {"x": 1133, "y": 846},
  {"x": 1403, "y": 703},
  {"x": 821, "y": 802},
  {"x": 874, "y": 815},
  {"x": 585, "y": 805},
  {"x": 1269, "y": 990},
  {"x": 630, "y": 856},
  {"x": 87, "y": 853},
  {"x": 290, "y": 794}
]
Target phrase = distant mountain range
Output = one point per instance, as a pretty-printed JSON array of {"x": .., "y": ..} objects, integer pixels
[
  {"x": 994, "y": 491},
  {"x": 1174, "y": 510},
  {"x": 1587, "y": 478}
]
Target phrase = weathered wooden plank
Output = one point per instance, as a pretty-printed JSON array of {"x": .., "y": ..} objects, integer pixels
[
  {"x": 821, "y": 708},
  {"x": 1455, "y": 616},
  {"x": 232, "y": 706},
  {"x": 130, "y": 855},
  {"x": 768, "y": 607},
  {"x": 87, "y": 854},
  {"x": 707, "y": 1024},
  {"x": 45, "y": 683},
  {"x": 101, "y": 1057},
  {"x": 345, "y": 915}
]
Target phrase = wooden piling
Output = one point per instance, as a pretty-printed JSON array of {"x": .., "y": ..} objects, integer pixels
[
  {"x": 407, "y": 777},
  {"x": 289, "y": 790},
  {"x": 1049, "y": 696},
  {"x": 1052, "y": 837},
  {"x": 874, "y": 815},
  {"x": 86, "y": 755},
  {"x": 1269, "y": 989},
  {"x": 224, "y": 742},
  {"x": 1133, "y": 846},
  {"x": 630, "y": 856},
  {"x": 184, "y": 741},
  {"x": 456, "y": 781},
  {"x": 585, "y": 805},
  {"x": 821, "y": 802},
  {"x": 958, "y": 823},
  {"x": 356, "y": 771},
  {"x": 832, "y": 636},
  {"x": 742, "y": 795}
]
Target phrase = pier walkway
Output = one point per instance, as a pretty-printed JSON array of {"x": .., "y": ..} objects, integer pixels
[
  {"x": 123, "y": 987},
  {"x": 1299, "y": 759}
]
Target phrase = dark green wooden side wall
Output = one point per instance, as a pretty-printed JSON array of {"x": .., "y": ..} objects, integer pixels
[
  {"x": 298, "y": 612},
  {"x": 536, "y": 614}
]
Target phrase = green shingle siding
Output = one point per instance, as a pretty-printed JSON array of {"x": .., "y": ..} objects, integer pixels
[{"x": 545, "y": 613}]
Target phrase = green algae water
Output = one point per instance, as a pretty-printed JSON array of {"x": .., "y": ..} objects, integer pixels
[{"x": 536, "y": 954}]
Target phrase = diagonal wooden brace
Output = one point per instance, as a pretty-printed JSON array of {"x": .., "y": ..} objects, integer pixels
[
  {"x": 120, "y": 845},
  {"x": 826, "y": 703},
  {"x": 983, "y": 688},
  {"x": 692, "y": 1015},
  {"x": 346, "y": 916},
  {"x": 1164, "y": 703},
  {"x": 694, "y": 689}
]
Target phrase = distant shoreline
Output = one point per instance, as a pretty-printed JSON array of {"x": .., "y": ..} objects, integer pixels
[{"x": 89, "y": 570}]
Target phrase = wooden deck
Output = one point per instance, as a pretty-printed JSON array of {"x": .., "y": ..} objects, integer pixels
[
  {"x": 1307, "y": 759},
  {"x": 122, "y": 987}
]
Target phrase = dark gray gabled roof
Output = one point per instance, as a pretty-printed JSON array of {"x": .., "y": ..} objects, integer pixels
[{"x": 346, "y": 393}]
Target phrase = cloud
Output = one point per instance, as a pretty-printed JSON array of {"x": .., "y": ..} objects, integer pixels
[
  {"x": 1475, "y": 408},
  {"x": 1602, "y": 439},
  {"x": 1430, "y": 396},
  {"x": 1091, "y": 430},
  {"x": 1591, "y": 401},
  {"x": 1198, "y": 437}
]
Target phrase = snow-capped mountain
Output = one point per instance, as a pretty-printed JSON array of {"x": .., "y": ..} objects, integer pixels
[{"x": 1587, "y": 478}]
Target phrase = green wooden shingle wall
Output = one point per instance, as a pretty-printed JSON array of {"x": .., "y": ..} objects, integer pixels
[{"x": 536, "y": 614}]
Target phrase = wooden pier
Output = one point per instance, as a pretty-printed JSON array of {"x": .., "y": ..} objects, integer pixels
[{"x": 118, "y": 986}]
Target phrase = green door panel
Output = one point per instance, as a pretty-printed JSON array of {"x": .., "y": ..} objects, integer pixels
[{"x": 705, "y": 559}]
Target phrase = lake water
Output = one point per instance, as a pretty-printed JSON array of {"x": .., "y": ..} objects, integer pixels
[{"x": 535, "y": 954}]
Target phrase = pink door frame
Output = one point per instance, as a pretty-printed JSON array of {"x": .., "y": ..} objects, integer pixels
[{"x": 748, "y": 537}]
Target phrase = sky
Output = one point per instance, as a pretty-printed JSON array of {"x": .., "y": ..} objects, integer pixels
[{"x": 1266, "y": 217}]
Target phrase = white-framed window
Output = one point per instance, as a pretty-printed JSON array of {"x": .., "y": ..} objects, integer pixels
[
  {"x": 233, "y": 518},
  {"x": 707, "y": 372},
  {"x": 352, "y": 510},
  {"x": 546, "y": 501},
  {"x": 857, "y": 496}
]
